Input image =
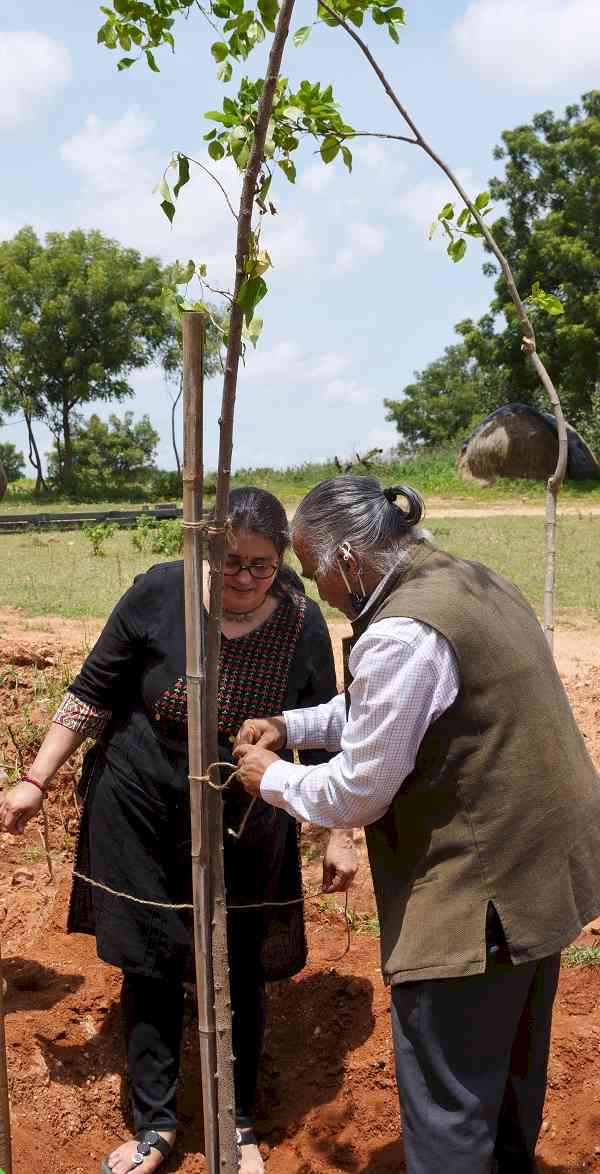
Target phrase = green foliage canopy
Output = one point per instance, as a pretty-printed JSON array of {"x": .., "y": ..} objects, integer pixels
[
  {"x": 108, "y": 456},
  {"x": 78, "y": 314},
  {"x": 550, "y": 233},
  {"x": 12, "y": 461}
]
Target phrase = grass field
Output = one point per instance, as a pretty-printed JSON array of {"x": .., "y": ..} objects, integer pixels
[
  {"x": 56, "y": 574},
  {"x": 432, "y": 473}
]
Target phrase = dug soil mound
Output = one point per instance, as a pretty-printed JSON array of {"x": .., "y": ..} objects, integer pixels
[{"x": 327, "y": 1097}]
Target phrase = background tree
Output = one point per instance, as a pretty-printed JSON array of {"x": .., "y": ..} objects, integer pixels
[
  {"x": 108, "y": 456},
  {"x": 12, "y": 461},
  {"x": 550, "y": 233},
  {"x": 447, "y": 399},
  {"x": 78, "y": 314}
]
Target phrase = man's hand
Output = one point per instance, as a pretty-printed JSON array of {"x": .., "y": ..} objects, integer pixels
[
  {"x": 252, "y": 764},
  {"x": 340, "y": 862},
  {"x": 268, "y": 732},
  {"x": 17, "y": 807}
]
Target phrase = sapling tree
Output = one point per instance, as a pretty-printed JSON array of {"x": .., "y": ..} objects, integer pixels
[
  {"x": 294, "y": 114},
  {"x": 261, "y": 129}
]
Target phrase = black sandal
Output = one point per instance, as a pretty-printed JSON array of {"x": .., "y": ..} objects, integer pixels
[
  {"x": 147, "y": 1141},
  {"x": 245, "y": 1135}
]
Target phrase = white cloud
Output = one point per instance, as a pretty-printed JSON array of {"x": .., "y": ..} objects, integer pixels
[
  {"x": 119, "y": 167},
  {"x": 535, "y": 46},
  {"x": 287, "y": 360},
  {"x": 318, "y": 177},
  {"x": 364, "y": 241},
  {"x": 33, "y": 68},
  {"x": 422, "y": 202},
  {"x": 347, "y": 391}
]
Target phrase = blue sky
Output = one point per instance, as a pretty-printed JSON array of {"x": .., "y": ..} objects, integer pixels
[{"x": 358, "y": 297}]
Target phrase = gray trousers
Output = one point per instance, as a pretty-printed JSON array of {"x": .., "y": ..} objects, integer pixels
[{"x": 471, "y": 1061}]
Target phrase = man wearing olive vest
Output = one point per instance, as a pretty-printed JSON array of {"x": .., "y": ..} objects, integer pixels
[{"x": 458, "y": 752}]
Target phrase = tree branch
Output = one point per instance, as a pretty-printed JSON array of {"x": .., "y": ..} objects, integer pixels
[
  {"x": 215, "y": 180},
  {"x": 528, "y": 345}
]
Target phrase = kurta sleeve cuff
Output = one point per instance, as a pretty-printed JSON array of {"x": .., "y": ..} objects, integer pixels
[
  {"x": 272, "y": 787},
  {"x": 296, "y": 728},
  {"x": 80, "y": 717}
]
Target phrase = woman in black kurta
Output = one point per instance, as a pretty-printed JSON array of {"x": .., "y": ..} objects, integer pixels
[{"x": 135, "y": 831}]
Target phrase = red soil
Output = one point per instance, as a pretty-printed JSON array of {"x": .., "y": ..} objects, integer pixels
[{"x": 327, "y": 1100}]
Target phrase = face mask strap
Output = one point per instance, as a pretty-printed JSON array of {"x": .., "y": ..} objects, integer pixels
[{"x": 357, "y": 601}]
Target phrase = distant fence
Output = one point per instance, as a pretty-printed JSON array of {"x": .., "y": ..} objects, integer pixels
[{"x": 13, "y": 523}]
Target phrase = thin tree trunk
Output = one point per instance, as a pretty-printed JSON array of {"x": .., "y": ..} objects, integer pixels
[
  {"x": 217, "y": 549},
  {"x": 34, "y": 456},
  {"x": 173, "y": 431},
  {"x": 5, "y": 1142},
  {"x": 528, "y": 345},
  {"x": 67, "y": 462},
  {"x": 202, "y": 823},
  {"x": 3, "y": 481}
]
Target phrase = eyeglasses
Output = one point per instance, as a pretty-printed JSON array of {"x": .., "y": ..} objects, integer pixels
[{"x": 259, "y": 568}]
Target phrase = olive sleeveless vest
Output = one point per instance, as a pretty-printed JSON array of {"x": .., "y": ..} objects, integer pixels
[{"x": 503, "y": 805}]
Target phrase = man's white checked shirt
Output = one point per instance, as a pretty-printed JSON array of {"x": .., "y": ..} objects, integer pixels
[{"x": 405, "y": 676}]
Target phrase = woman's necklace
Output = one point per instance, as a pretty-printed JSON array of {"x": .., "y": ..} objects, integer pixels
[{"x": 241, "y": 617}]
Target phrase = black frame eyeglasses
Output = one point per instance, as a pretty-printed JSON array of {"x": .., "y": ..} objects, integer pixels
[{"x": 259, "y": 570}]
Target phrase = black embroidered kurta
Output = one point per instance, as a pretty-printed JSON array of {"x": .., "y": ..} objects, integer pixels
[{"x": 135, "y": 832}]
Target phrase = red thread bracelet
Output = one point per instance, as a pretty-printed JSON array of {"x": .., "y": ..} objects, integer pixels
[{"x": 35, "y": 783}]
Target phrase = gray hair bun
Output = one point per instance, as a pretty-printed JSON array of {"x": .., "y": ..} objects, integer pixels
[{"x": 416, "y": 506}]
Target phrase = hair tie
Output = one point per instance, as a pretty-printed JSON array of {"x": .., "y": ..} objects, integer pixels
[{"x": 416, "y": 506}]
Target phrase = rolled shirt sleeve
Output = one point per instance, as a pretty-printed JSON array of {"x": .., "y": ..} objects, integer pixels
[{"x": 405, "y": 676}]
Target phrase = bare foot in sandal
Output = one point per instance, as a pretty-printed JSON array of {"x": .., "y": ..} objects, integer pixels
[
  {"x": 146, "y": 1154},
  {"x": 250, "y": 1159}
]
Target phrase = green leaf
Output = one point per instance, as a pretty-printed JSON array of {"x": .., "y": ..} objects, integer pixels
[
  {"x": 256, "y": 32},
  {"x": 225, "y": 72},
  {"x": 168, "y": 209},
  {"x": 219, "y": 51},
  {"x": 164, "y": 190},
  {"x": 301, "y": 35},
  {"x": 253, "y": 330},
  {"x": 216, "y": 150},
  {"x": 288, "y": 169},
  {"x": 482, "y": 200},
  {"x": 329, "y": 148},
  {"x": 252, "y": 291},
  {"x": 463, "y": 217},
  {"x": 447, "y": 212},
  {"x": 184, "y": 174},
  {"x": 457, "y": 249},
  {"x": 347, "y": 157},
  {"x": 151, "y": 59},
  {"x": 125, "y": 62},
  {"x": 393, "y": 31},
  {"x": 547, "y": 302},
  {"x": 433, "y": 229}
]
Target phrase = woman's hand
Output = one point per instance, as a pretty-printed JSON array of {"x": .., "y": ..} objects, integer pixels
[
  {"x": 268, "y": 732},
  {"x": 18, "y": 806},
  {"x": 340, "y": 862}
]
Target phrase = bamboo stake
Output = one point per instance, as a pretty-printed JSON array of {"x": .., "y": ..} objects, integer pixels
[
  {"x": 193, "y": 475},
  {"x": 5, "y": 1143},
  {"x": 228, "y": 1152}
]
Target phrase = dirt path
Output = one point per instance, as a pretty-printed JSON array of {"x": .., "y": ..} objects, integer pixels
[{"x": 327, "y": 1097}]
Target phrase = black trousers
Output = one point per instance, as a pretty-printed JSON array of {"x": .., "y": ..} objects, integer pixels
[
  {"x": 152, "y": 1011},
  {"x": 471, "y": 1062}
]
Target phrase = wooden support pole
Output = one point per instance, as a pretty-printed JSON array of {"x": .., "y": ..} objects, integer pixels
[
  {"x": 193, "y": 474},
  {"x": 5, "y": 1143}
]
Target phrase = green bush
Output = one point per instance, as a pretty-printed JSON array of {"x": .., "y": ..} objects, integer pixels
[
  {"x": 152, "y": 536},
  {"x": 98, "y": 533}
]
